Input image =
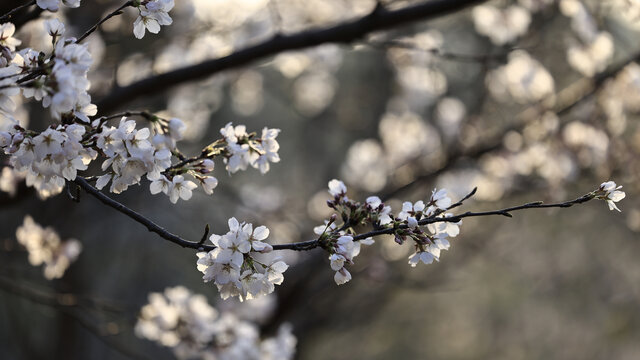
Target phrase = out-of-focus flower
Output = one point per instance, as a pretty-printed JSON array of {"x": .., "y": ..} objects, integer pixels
[
  {"x": 523, "y": 78},
  {"x": 502, "y": 26},
  {"x": 45, "y": 247},
  {"x": 193, "y": 329}
]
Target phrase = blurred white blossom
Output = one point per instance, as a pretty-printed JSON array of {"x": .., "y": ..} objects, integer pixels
[
  {"x": 45, "y": 247},
  {"x": 190, "y": 326}
]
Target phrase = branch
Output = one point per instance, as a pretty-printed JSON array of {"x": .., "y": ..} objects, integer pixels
[
  {"x": 504, "y": 212},
  {"x": 445, "y": 55},
  {"x": 6, "y": 17},
  {"x": 311, "y": 244},
  {"x": 151, "y": 226},
  {"x": 116, "y": 12},
  {"x": 346, "y": 32}
]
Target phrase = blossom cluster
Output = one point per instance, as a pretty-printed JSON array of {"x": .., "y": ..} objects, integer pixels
[
  {"x": 238, "y": 148},
  {"x": 59, "y": 81},
  {"x": 45, "y": 247},
  {"x": 593, "y": 49},
  {"x": 152, "y": 14},
  {"x": 130, "y": 155},
  {"x": 241, "y": 264},
  {"x": 343, "y": 246},
  {"x": 187, "y": 323},
  {"x": 48, "y": 158},
  {"x": 243, "y": 149}
]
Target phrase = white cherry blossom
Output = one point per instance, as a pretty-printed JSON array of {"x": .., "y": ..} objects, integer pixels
[{"x": 612, "y": 194}]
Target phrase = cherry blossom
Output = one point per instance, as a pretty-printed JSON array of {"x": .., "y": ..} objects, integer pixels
[
  {"x": 54, "y": 5},
  {"x": 241, "y": 264},
  {"x": 612, "y": 194},
  {"x": 153, "y": 14}
]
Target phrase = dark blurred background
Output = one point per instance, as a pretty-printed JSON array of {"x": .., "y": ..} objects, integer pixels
[{"x": 429, "y": 104}]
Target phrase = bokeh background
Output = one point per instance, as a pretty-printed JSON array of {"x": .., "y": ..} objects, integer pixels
[{"x": 527, "y": 100}]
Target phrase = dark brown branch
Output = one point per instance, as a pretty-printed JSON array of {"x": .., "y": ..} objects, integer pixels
[
  {"x": 346, "y": 32},
  {"x": 6, "y": 17},
  {"x": 445, "y": 55},
  {"x": 311, "y": 244},
  {"x": 116, "y": 12},
  {"x": 504, "y": 212},
  {"x": 150, "y": 225}
]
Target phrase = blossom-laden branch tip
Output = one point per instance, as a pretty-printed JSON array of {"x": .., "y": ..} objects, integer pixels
[{"x": 611, "y": 193}]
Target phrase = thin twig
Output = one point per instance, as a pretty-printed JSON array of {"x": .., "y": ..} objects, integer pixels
[
  {"x": 474, "y": 58},
  {"x": 116, "y": 12},
  {"x": 345, "y": 32},
  {"x": 311, "y": 244},
  {"x": 151, "y": 226},
  {"x": 7, "y": 16}
]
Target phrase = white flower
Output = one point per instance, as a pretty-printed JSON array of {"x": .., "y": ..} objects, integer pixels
[
  {"x": 208, "y": 184},
  {"x": 424, "y": 256},
  {"x": 268, "y": 148},
  {"x": 411, "y": 212},
  {"x": 6, "y": 36},
  {"x": 342, "y": 277},
  {"x": 374, "y": 202},
  {"x": 162, "y": 184},
  {"x": 383, "y": 215},
  {"x": 612, "y": 194},
  {"x": 337, "y": 262},
  {"x": 177, "y": 128},
  {"x": 440, "y": 199},
  {"x": 54, "y": 5},
  {"x": 447, "y": 228},
  {"x": 523, "y": 79},
  {"x": 54, "y": 27},
  {"x": 321, "y": 229},
  {"x": 345, "y": 249},
  {"x": 152, "y": 14},
  {"x": 275, "y": 271},
  {"x": 337, "y": 188},
  {"x": 8, "y": 88},
  {"x": 502, "y": 26},
  {"x": 180, "y": 189}
]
